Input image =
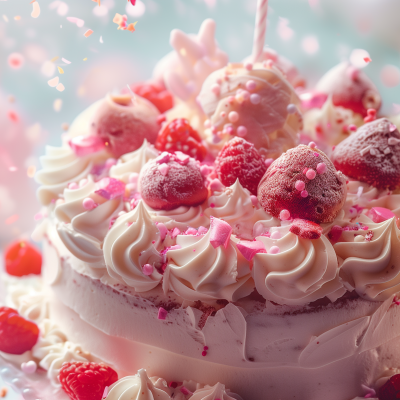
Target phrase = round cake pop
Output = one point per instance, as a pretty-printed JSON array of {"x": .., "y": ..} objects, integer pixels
[
  {"x": 124, "y": 122},
  {"x": 256, "y": 103},
  {"x": 303, "y": 183}
]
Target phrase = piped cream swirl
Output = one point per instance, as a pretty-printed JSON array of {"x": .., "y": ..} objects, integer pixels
[{"x": 216, "y": 392}]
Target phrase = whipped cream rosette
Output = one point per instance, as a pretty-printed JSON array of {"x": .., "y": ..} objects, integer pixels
[
  {"x": 130, "y": 244},
  {"x": 370, "y": 258},
  {"x": 301, "y": 272},
  {"x": 216, "y": 392},
  {"x": 83, "y": 230}
]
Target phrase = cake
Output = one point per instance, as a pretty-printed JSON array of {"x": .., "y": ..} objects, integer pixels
[{"x": 214, "y": 234}]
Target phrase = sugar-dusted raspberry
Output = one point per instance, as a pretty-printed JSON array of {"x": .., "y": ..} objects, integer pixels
[
  {"x": 123, "y": 123},
  {"x": 323, "y": 195},
  {"x": 306, "y": 229},
  {"x": 171, "y": 181},
  {"x": 17, "y": 335},
  {"x": 21, "y": 258},
  {"x": 350, "y": 88},
  {"x": 391, "y": 389},
  {"x": 86, "y": 380},
  {"x": 178, "y": 135},
  {"x": 371, "y": 155},
  {"x": 239, "y": 159},
  {"x": 156, "y": 94}
]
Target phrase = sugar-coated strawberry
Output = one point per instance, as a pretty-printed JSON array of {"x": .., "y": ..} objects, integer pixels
[
  {"x": 239, "y": 159},
  {"x": 391, "y": 389},
  {"x": 303, "y": 183},
  {"x": 86, "y": 380},
  {"x": 306, "y": 229},
  {"x": 350, "y": 88},
  {"x": 17, "y": 335},
  {"x": 171, "y": 181},
  {"x": 21, "y": 258},
  {"x": 178, "y": 135},
  {"x": 371, "y": 155},
  {"x": 123, "y": 123},
  {"x": 155, "y": 93}
]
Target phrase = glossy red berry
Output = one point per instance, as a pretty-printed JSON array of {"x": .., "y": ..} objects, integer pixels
[
  {"x": 17, "y": 335},
  {"x": 156, "y": 94},
  {"x": 85, "y": 380},
  {"x": 21, "y": 258},
  {"x": 178, "y": 135},
  {"x": 391, "y": 389},
  {"x": 239, "y": 159}
]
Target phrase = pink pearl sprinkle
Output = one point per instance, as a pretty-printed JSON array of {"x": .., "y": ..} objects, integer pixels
[
  {"x": 205, "y": 348},
  {"x": 352, "y": 128},
  {"x": 321, "y": 168},
  {"x": 248, "y": 66},
  {"x": 254, "y": 200},
  {"x": 284, "y": 215},
  {"x": 133, "y": 177},
  {"x": 233, "y": 116},
  {"x": 147, "y": 269},
  {"x": 250, "y": 85},
  {"x": 73, "y": 186},
  {"x": 255, "y": 98},
  {"x": 275, "y": 235},
  {"x": 300, "y": 185},
  {"x": 241, "y": 131},
  {"x": 268, "y": 162},
  {"x": 204, "y": 353},
  {"x": 304, "y": 193},
  {"x": 216, "y": 89},
  {"x": 274, "y": 250},
  {"x": 310, "y": 174},
  {"x": 88, "y": 203},
  {"x": 312, "y": 145}
]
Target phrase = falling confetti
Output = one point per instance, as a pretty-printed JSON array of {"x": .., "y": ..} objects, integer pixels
[
  {"x": 48, "y": 69},
  {"x": 17, "y": 17},
  {"x": 85, "y": 59},
  {"x": 310, "y": 44},
  {"x": 13, "y": 116},
  {"x": 53, "y": 82},
  {"x": 36, "y": 9},
  {"x": 62, "y": 8},
  {"x": 60, "y": 70},
  {"x": 15, "y": 60},
  {"x": 133, "y": 2},
  {"x": 12, "y": 219},
  {"x": 390, "y": 76},
  {"x": 101, "y": 39},
  {"x": 31, "y": 171},
  {"x": 120, "y": 20},
  {"x": 57, "y": 105},
  {"x": 66, "y": 61},
  {"x": 60, "y": 87},
  {"x": 98, "y": 2},
  {"x": 64, "y": 126},
  {"x": 138, "y": 10},
  {"x": 284, "y": 31},
  {"x": 78, "y": 22},
  {"x": 54, "y": 59},
  {"x": 367, "y": 59},
  {"x": 358, "y": 58},
  {"x": 88, "y": 33},
  {"x": 5, "y": 18}
]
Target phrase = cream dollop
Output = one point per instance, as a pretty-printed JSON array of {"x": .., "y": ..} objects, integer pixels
[
  {"x": 137, "y": 387},
  {"x": 83, "y": 231},
  {"x": 60, "y": 167},
  {"x": 234, "y": 206},
  {"x": 198, "y": 271},
  {"x": 216, "y": 392},
  {"x": 129, "y": 245},
  {"x": 303, "y": 271},
  {"x": 371, "y": 259},
  {"x": 133, "y": 162}
]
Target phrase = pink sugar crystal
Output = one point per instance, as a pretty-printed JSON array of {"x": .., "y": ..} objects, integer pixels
[
  {"x": 220, "y": 233},
  {"x": 163, "y": 168},
  {"x": 110, "y": 188},
  {"x": 85, "y": 145},
  {"x": 162, "y": 313},
  {"x": 163, "y": 230},
  {"x": 164, "y": 157},
  {"x": 175, "y": 233},
  {"x": 380, "y": 214},
  {"x": 186, "y": 391},
  {"x": 181, "y": 158},
  {"x": 216, "y": 185},
  {"x": 250, "y": 249},
  {"x": 191, "y": 231},
  {"x": 202, "y": 230}
]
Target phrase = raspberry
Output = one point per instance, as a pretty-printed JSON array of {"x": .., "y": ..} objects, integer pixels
[
  {"x": 306, "y": 229},
  {"x": 239, "y": 159},
  {"x": 391, "y": 389},
  {"x": 169, "y": 182},
  {"x": 17, "y": 335},
  {"x": 86, "y": 380},
  {"x": 320, "y": 198},
  {"x": 371, "y": 155},
  {"x": 178, "y": 135},
  {"x": 21, "y": 258},
  {"x": 156, "y": 94}
]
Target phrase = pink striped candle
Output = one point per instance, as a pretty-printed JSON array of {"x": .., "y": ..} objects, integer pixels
[{"x": 260, "y": 29}]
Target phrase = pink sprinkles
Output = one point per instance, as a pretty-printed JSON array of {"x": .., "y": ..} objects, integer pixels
[{"x": 162, "y": 313}]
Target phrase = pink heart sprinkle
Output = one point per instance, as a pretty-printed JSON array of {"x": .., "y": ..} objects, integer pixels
[
  {"x": 163, "y": 168},
  {"x": 110, "y": 188},
  {"x": 220, "y": 233},
  {"x": 380, "y": 214},
  {"x": 250, "y": 249},
  {"x": 181, "y": 158},
  {"x": 85, "y": 145},
  {"x": 162, "y": 313}
]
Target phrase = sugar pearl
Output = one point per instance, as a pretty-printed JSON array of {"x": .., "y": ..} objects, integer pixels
[
  {"x": 274, "y": 250},
  {"x": 248, "y": 66},
  {"x": 300, "y": 185},
  {"x": 207, "y": 123},
  {"x": 321, "y": 168},
  {"x": 147, "y": 269},
  {"x": 310, "y": 174},
  {"x": 254, "y": 200},
  {"x": 205, "y": 170},
  {"x": 241, "y": 131},
  {"x": 133, "y": 177},
  {"x": 216, "y": 89},
  {"x": 291, "y": 109},
  {"x": 268, "y": 162},
  {"x": 88, "y": 203},
  {"x": 83, "y": 182},
  {"x": 223, "y": 114},
  {"x": 304, "y": 193},
  {"x": 312, "y": 145},
  {"x": 352, "y": 128},
  {"x": 233, "y": 116},
  {"x": 73, "y": 186},
  {"x": 275, "y": 235},
  {"x": 255, "y": 98},
  {"x": 359, "y": 238},
  {"x": 284, "y": 215},
  {"x": 250, "y": 85},
  {"x": 29, "y": 367}
]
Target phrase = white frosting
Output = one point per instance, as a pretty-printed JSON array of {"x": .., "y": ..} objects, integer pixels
[
  {"x": 234, "y": 206},
  {"x": 303, "y": 271},
  {"x": 197, "y": 271},
  {"x": 83, "y": 231},
  {"x": 130, "y": 244},
  {"x": 133, "y": 162},
  {"x": 372, "y": 266},
  {"x": 216, "y": 392},
  {"x": 137, "y": 387}
]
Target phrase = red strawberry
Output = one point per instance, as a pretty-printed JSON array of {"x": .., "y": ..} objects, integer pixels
[
  {"x": 21, "y": 258},
  {"x": 178, "y": 135},
  {"x": 123, "y": 123},
  {"x": 306, "y": 229},
  {"x": 155, "y": 93},
  {"x": 391, "y": 389},
  {"x": 371, "y": 155},
  {"x": 304, "y": 182},
  {"x": 239, "y": 159},
  {"x": 172, "y": 180},
  {"x": 17, "y": 335},
  {"x": 85, "y": 380},
  {"x": 350, "y": 88}
]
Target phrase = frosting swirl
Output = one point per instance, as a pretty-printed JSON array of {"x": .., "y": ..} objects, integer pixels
[
  {"x": 303, "y": 271},
  {"x": 198, "y": 271},
  {"x": 137, "y": 387},
  {"x": 371, "y": 259},
  {"x": 129, "y": 245},
  {"x": 83, "y": 231},
  {"x": 216, "y": 392}
]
